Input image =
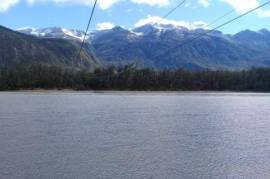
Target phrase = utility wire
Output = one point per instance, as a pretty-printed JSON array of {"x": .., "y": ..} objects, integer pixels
[
  {"x": 211, "y": 23},
  {"x": 174, "y": 9},
  {"x": 221, "y": 17},
  {"x": 208, "y": 32},
  {"x": 87, "y": 28}
]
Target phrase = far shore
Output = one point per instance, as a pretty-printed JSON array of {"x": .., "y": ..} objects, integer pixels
[{"x": 128, "y": 91}]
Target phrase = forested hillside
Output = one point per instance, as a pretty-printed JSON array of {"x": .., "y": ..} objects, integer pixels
[
  {"x": 19, "y": 49},
  {"x": 130, "y": 78}
]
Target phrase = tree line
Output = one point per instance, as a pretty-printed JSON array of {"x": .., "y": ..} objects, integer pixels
[{"x": 131, "y": 78}]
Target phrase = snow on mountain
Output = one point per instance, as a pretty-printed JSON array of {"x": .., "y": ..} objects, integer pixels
[
  {"x": 71, "y": 34},
  {"x": 54, "y": 32},
  {"x": 158, "y": 28},
  {"x": 144, "y": 44}
]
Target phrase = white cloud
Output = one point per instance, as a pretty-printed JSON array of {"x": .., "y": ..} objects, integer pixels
[
  {"x": 199, "y": 24},
  {"x": 241, "y": 6},
  {"x": 161, "y": 21},
  {"x": 204, "y": 3},
  {"x": 153, "y": 2},
  {"x": 105, "y": 26},
  {"x": 6, "y": 4},
  {"x": 103, "y": 4},
  {"x": 68, "y": 2},
  {"x": 263, "y": 13}
]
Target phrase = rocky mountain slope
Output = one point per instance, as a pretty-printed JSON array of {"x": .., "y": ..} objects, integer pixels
[
  {"x": 161, "y": 46},
  {"x": 19, "y": 49}
]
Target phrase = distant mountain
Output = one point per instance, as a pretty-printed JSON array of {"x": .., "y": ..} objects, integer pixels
[
  {"x": 19, "y": 49},
  {"x": 255, "y": 39},
  {"x": 160, "y": 46},
  {"x": 53, "y": 32}
]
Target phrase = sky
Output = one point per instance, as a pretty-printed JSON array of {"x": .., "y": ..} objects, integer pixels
[{"x": 74, "y": 14}]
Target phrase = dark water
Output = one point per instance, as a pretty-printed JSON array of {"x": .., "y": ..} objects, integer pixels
[{"x": 154, "y": 135}]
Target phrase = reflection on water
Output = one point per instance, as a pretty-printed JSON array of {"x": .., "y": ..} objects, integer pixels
[{"x": 134, "y": 135}]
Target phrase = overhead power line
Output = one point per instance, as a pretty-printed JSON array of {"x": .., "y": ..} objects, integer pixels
[
  {"x": 221, "y": 17},
  {"x": 87, "y": 28},
  {"x": 174, "y": 9},
  {"x": 211, "y": 23},
  {"x": 216, "y": 28}
]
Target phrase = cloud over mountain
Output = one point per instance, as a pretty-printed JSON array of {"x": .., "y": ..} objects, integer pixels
[
  {"x": 159, "y": 20},
  {"x": 6, "y": 4},
  {"x": 105, "y": 26}
]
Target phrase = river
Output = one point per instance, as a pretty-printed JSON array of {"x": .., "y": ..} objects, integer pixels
[{"x": 134, "y": 135}]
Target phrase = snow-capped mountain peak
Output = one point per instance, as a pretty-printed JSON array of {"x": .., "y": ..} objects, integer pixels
[
  {"x": 53, "y": 32},
  {"x": 161, "y": 26},
  {"x": 158, "y": 28}
]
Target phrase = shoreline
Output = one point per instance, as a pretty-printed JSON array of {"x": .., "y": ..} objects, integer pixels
[{"x": 129, "y": 91}]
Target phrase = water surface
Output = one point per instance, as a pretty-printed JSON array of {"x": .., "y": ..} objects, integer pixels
[{"x": 134, "y": 135}]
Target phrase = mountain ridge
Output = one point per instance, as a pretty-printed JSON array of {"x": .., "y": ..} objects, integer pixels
[
  {"x": 20, "y": 49},
  {"x": 159, "y": 46}
]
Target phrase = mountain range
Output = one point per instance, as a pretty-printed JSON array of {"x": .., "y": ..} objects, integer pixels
[
  {"x": 53, "y": 32},
  {"x": 166, "y": 46}
]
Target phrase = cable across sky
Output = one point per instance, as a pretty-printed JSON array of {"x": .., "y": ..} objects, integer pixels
[
  {"x": 174, "y": 9},
  {"x": 87, "y": 28},
  {"x": 216, "y": 28},
  {"x": 221, "y": 17}
]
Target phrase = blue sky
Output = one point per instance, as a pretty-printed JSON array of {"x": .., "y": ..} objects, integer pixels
[{"x": 129, "y": 13}]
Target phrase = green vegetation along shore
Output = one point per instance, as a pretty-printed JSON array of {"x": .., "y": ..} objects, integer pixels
[{"x": 130, "y": 78}]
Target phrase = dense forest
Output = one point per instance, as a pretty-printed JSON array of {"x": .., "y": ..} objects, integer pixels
[{"x": 131, "y": 78}]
